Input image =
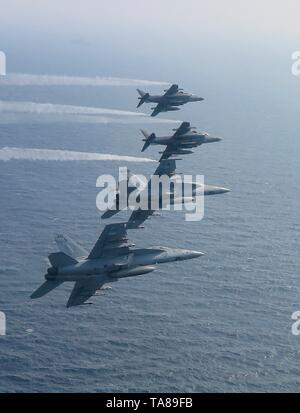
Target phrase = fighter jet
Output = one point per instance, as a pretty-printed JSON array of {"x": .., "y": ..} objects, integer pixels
[
  {"x": 169, "y": 101},
  {"x": 165, "y": 167},
  {"x": 181, "y": 142},
  {"x": 112, "y": 258}
]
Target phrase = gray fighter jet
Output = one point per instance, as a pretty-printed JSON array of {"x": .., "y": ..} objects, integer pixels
[
  {"x": 169, "y": 101},
  {"x": 165, "y": 167},
  {"x": 112, "y": 258},
  {"x": 181, "y": 142}
]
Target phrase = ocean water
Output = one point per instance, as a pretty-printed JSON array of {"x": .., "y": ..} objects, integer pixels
[{"x": 218, "y": 323}]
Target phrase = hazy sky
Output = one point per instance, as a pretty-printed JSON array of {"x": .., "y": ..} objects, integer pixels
[
  {"x": 264, "y": 16},
  {"x": 128, "y": 32}
]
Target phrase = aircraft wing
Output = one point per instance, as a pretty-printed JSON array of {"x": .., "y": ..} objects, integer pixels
[
  {"x": 83, "y": 290},
  {"x": 132, "y": 182},
  {"x": 169, "y": 151},
  {"x": 167, "y": 106},
  {"x": 159, "y": 107},
  {"x": 70, "y": 247},
  {"x": 166, "y": 167},
  {"x": 114, "y": 210},
  {"x": 173, "y": 89},
  {"x": 175, "y": 145},
  {"x": 138, "y": 216},
  {"x": 109, "y": 213},
  {"x": 112, "y": 242},
  {"x": 183, "y": 128}
]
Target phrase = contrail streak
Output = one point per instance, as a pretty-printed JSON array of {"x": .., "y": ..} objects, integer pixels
[
  {"x": 50, "y": 108},
  {"x": 83, "y": 113},
  {"x": 32, "y": 154},
  {"x": 23, "y": 79}
]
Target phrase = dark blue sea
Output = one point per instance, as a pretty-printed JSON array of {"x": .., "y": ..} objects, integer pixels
[{"x": 220, "y": 323}]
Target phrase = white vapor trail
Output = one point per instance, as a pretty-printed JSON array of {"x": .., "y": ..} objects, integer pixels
[
  {"x": 50, "y": 108},
  {"x": 23, "y": 79},
  {"x": 94, "y": 114},
  {"x": 32, "y": 154}
]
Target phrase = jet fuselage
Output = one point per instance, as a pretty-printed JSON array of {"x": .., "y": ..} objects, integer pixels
[
  {"x": 193, "y": 139},
  {"x": 179, "y": 98},
  {"x": 137, "y": 262}
]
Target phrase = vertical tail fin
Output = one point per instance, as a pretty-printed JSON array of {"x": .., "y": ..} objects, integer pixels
[
  {"x": 146, "y": 134},
  {"x": 60, "y": 259},
  {"x": 141, "y": 93}
]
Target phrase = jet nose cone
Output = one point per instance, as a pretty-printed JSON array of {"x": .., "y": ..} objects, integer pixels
[
  {"x": 196, "y": 254},
  {"x": 215, "y": 190},
  {"x": 211, "y": 139},
  {"x": 219, "y": 190},
  {"x": 199, "y": 99}
]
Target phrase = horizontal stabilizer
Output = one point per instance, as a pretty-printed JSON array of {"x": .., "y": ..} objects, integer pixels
[
  {"x": 60, "y": 259},
  {"x": 45, "y": 288},
  {"x": 148, "y": 141},
  {"x": 143, "y": 97}
]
